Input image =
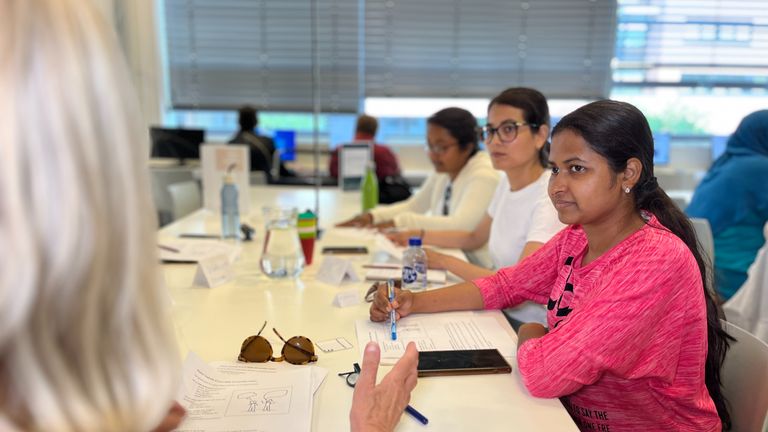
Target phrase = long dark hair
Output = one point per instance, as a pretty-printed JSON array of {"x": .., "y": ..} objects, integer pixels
[
  {"x": 618, "y": 131},
  {"x": 535, "y": 109},
  {"x": 461, "y": 124}
]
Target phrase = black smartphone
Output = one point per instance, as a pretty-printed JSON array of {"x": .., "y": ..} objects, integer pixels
[
  {"x": 462, "y": 362},
  {"x": 345, "y": 250}
]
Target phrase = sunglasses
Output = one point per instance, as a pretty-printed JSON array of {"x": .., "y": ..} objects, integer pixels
[{"x": 297, "y": 350}]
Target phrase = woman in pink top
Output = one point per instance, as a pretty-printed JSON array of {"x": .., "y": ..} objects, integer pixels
[{"x": 634, "y": 340}]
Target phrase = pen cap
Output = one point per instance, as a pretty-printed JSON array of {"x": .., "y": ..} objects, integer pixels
[{"x": 414, "y": 241}]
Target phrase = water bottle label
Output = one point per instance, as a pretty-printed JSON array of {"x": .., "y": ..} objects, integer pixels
[{"x": 409, "y": 274}]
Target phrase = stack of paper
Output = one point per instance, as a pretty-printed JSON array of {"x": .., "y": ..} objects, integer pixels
[
  {"x": 195, "y": 250},
  {"x": 237, "y": 396}
]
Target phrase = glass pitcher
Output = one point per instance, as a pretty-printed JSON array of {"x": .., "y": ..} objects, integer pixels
[{"x": 282, "y": 255}]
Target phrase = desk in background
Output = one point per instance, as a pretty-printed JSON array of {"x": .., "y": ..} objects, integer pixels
[{"x": 214, "y": 322}]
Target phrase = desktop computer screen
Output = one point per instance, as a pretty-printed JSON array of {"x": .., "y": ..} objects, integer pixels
[
  {"x": 661, "y": 144},
  {"x": 718, "y": 146},
  {"x": 285, "y": 141},
  {"x": 176, "y": 143}
]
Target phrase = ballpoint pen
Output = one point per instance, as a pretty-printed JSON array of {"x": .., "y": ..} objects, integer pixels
[
  {"x": 417, "y": 415},
  {"x": 392, "y": 313}
]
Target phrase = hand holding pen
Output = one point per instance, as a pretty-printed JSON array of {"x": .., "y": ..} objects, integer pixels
[
  {"x": 392, "y": 313},
  {"x": 381, "y": 306}
]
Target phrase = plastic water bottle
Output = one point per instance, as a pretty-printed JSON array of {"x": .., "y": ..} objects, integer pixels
[
  {"x": 230, "y": 213},
  {"x": 370, "y": 188},
  {"x": 414, "y": 266}
]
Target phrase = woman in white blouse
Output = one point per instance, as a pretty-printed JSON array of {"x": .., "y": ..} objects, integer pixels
[
  {"x": 521, "y": 217},
  {"x": 457, "y": 194}
]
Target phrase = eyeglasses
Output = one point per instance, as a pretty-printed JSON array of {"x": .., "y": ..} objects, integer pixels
[
  {"x": 438, "y": 150},
  {"x": 297, "y": 350},
  {"x": 507, "y": 131},
  {"x": 352, "y": 376}
]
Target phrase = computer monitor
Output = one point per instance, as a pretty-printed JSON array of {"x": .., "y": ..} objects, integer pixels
[
  {"x": 661, "y": 143},
  {"x": 180, "y": 144},
  {"x": 285, "y": 141},
  {"x": 719, "y": 143}
]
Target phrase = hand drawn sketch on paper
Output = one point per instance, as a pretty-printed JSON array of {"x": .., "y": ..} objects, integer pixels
[{"x": 260, "y": 401}]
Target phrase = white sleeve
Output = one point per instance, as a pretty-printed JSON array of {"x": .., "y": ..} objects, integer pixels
[
  {"x": 544, "y": 221},
  {"x": 419, "y": 202},
  {"x": 470, "y": 208}
]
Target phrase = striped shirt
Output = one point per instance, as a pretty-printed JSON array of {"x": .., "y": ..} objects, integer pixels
[{"x": 627, "y": 343}]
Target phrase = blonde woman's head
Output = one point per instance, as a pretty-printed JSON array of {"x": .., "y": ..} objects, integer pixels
[{"x": 84, "y": 344}]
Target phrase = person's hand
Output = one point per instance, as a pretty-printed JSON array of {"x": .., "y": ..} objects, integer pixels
[
  {"x": 378, "y": 408},
  {"x": 381, "y": 307},
  {"x": 435, "y": 259},
  {"x": 384, "y": 226},
  {"x": 400, "y": 238},
  {"x": 173, "y": 419},
  {"x": 359, "y": 221}
]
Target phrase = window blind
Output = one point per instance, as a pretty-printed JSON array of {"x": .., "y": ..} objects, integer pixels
[
  {"x": 476, "y": 48},
  {"x": 227, "y": 53},
  {"x": 703, "y": 43}
]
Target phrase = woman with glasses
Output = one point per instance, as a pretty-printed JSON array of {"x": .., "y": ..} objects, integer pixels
[
  {"x": 521, "y": 217},
  {"x": 456, "y": 195},
  {"x": 634, "y": 339}
]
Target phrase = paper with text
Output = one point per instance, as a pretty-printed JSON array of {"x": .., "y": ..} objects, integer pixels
[
  {"x": 264, "y": 400},
  {"x": 438, "y": 332}
]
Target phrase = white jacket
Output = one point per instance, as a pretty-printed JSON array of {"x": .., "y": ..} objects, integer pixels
[
  {"x": 748, "y": 308},
  {"x": 471, "y": 194}
]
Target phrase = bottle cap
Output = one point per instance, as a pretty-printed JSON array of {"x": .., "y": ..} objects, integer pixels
[
  {"x": 228, "y": 179},
  {"x": 414, "y": 241}
]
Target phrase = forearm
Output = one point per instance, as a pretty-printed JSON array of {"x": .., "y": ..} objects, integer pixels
[
  {"x": 448, "y": 239},
  {"x": 463, "y": 296},
  {"x": 529, "y": 331},
  {"x": 463, "y": 269}
]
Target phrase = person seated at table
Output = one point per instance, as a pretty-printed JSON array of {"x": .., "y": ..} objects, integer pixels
[
  {"x": 634, "y": 340},
  {"x": 84, "y": 339},
  {"x": 521, "y": 217},
  {"x": 456, "y": 195},
  {"x": 262, "y": 148},
  {"x": 735, "y": 203},
  {"x": 385, "y": 159},
  {"x": 85, "y": 342}
]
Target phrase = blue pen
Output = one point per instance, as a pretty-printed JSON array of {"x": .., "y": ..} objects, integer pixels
[
  {"x": 392, "y": 316},
  {"x": 417, "y": 415}
]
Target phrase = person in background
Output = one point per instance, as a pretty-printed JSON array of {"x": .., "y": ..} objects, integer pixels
[
  {"x": 635, "y": 340},
  {"x": 385, "y": 159},
  {"x": 456, "y": 195},
  {"x": 735, "y": 203},
  {"x": 262, "y": 148},
  {"x": 85, "y": 342},
  {"x": 521, "y": 217},
  {"x": 392, "y": 186}
]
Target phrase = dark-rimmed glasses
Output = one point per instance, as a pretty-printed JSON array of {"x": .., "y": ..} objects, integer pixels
[
  {"x": 352, "y": 377},
  {"x": 507, "y": 131},
  {"x": 297, "y": 350}
]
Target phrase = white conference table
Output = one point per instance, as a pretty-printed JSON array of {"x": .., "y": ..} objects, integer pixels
[{"x": 214, "y": 322}]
